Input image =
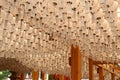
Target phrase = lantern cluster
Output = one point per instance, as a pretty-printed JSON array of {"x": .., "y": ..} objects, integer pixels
[{"x": 39, "y": 33}]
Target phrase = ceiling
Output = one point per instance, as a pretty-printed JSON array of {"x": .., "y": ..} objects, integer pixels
[{"x": 38, "y": 34}]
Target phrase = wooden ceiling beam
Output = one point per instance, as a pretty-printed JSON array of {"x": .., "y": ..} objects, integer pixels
[
  {"x": 115, "y": 67},
  {"x": 102, "y": 62}
]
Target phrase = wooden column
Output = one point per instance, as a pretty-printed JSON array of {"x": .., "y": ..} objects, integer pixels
[
  {"x": 22, "y": 76},
  {"x": 76, "y": 63},
  {"x": 43, "y": 76},
  {"x": 35, "y": 75},
  {"x": 112, "y": 76},
  {"x": 91, "y": 70},
  {"x": 101, "y": 76}
]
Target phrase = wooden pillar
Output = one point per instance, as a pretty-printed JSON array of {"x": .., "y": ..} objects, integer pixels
[
  {"x": 101, "y": 76},
  {"x": 91, "y": 70},
  {"x": 112, "y": 77},
  {"x": 76, "y": 63},
  {"x": 35, "y": 75},
  {"x": 22, "y": 76},
  {"x": 43, "y": 76}
]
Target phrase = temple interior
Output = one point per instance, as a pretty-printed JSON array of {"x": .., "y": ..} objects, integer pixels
[{"x": 60, "y": 39}]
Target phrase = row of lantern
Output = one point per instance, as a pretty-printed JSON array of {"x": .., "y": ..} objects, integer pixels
[{"x": 51, "y": 63}]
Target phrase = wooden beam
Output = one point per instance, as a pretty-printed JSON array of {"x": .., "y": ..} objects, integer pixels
[
  {"x": 91, "y": 70},
  {"x": 107, "y": 69},
  {"x": 76, "y": 63},
  {"x": 101, "y": 76},
  {"x": 115, "y": 67},
  {"x": 111, "y": 66},
  {"x": 103, "y": 62}
]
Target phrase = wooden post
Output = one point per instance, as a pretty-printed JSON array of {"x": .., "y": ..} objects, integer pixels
[
  {"x": 72, "y": 63},
  {"x": 35, "y": 75},
  {"x": 76, "y": 63},
  {"x": 113, "y": 77},
  {"x": 101, "y": 76},
  {"x": 22, "y": 77},
  {"x": 43, "y": 76},
  {"x": 91, "y": 70}
]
